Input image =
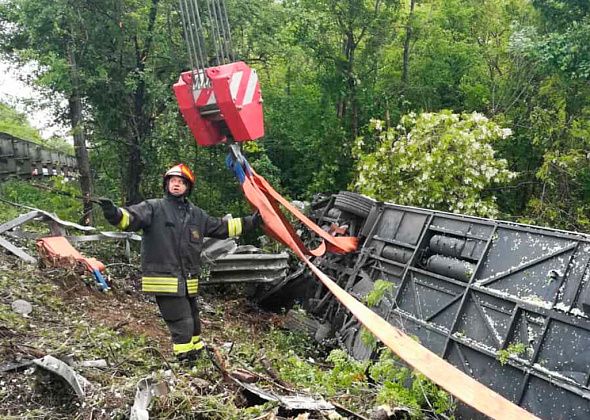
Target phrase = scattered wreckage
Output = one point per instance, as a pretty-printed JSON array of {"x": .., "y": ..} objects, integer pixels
[{"x": 506, "y": 303}]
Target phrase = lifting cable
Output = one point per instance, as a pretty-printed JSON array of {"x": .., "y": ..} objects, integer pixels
[{"x": 205, "y": 28}]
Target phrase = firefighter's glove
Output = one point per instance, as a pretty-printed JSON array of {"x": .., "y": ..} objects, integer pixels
[
  {"x": 110, "y": 211},
  {"x": 257, "y": 220},
  {"x": 252, "y": 222}
]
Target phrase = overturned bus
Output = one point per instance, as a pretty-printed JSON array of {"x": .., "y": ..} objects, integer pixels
[{"x": 508, "y": 304}]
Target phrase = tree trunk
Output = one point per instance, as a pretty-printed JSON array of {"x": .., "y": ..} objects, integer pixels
[
  {"x": 349, "y": 103},
  {"x": 407, "y": 41},
  {"x": 140, "y": 123},
  {"x": 352, "y": 96},
  {"x": 75, "y": 114}
]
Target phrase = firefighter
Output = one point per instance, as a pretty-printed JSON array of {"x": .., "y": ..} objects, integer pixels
[{"x": 173, "y": 232}]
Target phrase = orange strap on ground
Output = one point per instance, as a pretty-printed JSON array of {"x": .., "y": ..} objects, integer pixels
[
  {"x": 60, "y": 252},
  {"x": 260, "y": 194}
]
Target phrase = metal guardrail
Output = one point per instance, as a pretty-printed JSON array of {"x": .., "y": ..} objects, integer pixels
[
  {"x": 508, "y": 304},
  {"x": 247, "y": 268},
  {"x": 21, "y": 158}
]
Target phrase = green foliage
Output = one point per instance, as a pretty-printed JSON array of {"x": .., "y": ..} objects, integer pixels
[
  {"x": 441, "y": 161},
  {"x": 372, "y": 299},
  {"x": 326, "y": 68},
  {"x": 64, "y": 205},
  {"x": 560, "y": 44},
  {"x": 368, "y": 339},
  {"x": 7, "y": 211},
  {"x": 380, "y": 288},
  {"x": 16, "y": 124},
  {"x": 395, "y": 392},
  {"x": 346, "y": 375},
  {"x": 394, "y": 383},
  {"x": 404, "y": 387},
  {"x": 514, "y": 349}
]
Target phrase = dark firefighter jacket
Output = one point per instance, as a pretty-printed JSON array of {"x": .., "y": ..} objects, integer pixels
[{"x": 173, "y": 232}]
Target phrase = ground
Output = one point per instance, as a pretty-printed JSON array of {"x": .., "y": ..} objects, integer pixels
[{"x": 74, "y": 321}]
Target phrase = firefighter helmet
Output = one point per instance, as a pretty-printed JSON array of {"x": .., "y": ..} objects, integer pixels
[{"x": 182, "y": 171}]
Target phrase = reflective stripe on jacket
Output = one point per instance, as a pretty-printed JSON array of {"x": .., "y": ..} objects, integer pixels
[{"x": 172, "y": 241}]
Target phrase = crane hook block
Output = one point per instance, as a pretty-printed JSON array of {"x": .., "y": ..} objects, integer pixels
[{"x": 227, "y": 104}]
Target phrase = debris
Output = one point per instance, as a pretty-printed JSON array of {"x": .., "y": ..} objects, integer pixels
[
  {"x": 78, "y": 383},
  {"x": 289, "y": 402},
  {"x": 58, "y": 252},
  {"x": 216, "y": 248},
  {"x": 244, "y": 375},
  {"x": 57, "y": 228},
  {"x": 22, "y": 307},
  {"x": 146, "y": 390},
  {"x": 14, "y": 366},
  {"x": 256, "y": 268},
  {"x": 99, "y": 363},
  {"x": 385, "y": 412}
]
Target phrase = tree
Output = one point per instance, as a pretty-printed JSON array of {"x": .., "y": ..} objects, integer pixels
[
  {"x": 441, "y": 161},
  {"x": 556, "y": 115},
  {"x": 16, "y": 124},
  {"x": 115, "y": 61}
]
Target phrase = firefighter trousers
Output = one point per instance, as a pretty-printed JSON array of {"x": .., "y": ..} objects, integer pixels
[{"x": 181, "y": 314}]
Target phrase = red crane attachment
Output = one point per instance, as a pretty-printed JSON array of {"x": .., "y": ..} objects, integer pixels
[
  {"x": 220, "y": 101},
  {"x": 231, "y": 104}
]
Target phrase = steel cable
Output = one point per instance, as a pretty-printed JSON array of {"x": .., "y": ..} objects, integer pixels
[
  {"x": 201, "y": 34},
  {"x": 223, "y": 39},
  {"x": 225, "y": 21},
  {"x": 214, "y": 34},
  {"x": 202, "y": 47}
]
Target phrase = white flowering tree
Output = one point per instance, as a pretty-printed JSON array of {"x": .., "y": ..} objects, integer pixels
[{"x": 441, "y": 161}]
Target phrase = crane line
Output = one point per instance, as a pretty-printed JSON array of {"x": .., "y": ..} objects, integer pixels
[{"x": 207, "y": 35}]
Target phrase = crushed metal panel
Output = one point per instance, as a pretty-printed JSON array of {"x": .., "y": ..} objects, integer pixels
[
  {"x": 216, "y": 248},
  {"x": 17, "y": 251},
  {"x": 246, "y": 277},
  {"x": 23, "y": 218},
  {"x": 254, "y": 268},
  {"x": 289, "y": 402},
  {"x": 251, "y": 261},
  {"x": 105, "y": 235},
  {"x": 66, "y": 223},
  {"x": 302, "y": 402},
  {"x": 79, "y": 384}
]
